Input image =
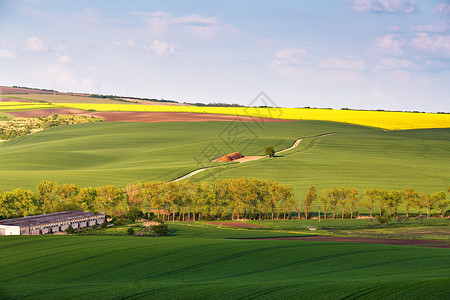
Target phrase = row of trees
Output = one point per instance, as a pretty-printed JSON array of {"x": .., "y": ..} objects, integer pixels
[
  {"x": 221, "y": 199},
  {"x": 344, "y": 198}
]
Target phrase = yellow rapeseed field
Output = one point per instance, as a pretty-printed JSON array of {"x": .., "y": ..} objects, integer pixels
[
  {"x": 380, "y": 119},
  {"x": 12, "y": 106}
]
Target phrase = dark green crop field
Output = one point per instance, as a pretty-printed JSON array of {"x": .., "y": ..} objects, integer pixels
[
  {"x": 206, "y": 264},
  {"x": 122, "y": 153}
]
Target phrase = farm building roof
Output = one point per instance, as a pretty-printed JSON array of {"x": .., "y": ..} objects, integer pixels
[{"x": 47, "y": 218}]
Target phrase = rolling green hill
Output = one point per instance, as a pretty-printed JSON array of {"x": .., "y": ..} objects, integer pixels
[
  {"x": 121, "y": 153},
  {"x": 209, "y": 266}
]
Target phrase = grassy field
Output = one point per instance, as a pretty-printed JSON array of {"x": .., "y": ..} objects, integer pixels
[
  {"x": 380, "y": 119},
  {"x": 205, "y": 263},
  {"x": 122, "y": 153},
  {"x": 64, "y": 99}
]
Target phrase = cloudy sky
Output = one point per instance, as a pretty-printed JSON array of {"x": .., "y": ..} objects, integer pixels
[{"x": 370, "y": 54}]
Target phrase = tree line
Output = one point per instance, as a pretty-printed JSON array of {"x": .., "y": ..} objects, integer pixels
[{"x": 221, "y": 199}]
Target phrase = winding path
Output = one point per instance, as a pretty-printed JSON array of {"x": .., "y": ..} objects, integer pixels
[
  {"x": 253, "y": 158},
  {"x": 296, "y": 143}
]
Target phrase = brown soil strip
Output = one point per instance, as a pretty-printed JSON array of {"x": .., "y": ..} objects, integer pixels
[
  {"x": 3, "y": 99},
  {"x": 153, "y": 117},
  {"x": 235, "y": 224},
  {"x": 403, "y": 242}
]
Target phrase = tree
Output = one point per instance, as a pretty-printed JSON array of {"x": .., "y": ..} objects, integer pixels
[
  {"x": 383, "y": 197},
  {"x": 410, "y": 197},
  {"x": 310, "y": 197},
  {"x": 394, "y": 199},
  {"x": 427, "y": 201},
  {"x": 325, "y": 200},
  {"x": 269, "y": 151},
  {"x": 336, "y": 195},
  {"x": 372, "y": 195},
  {"x": 109, "y": 197},
  {"x": 46, "y": 193},
  {"x": 287, "y": 194},
  {"x": 441, "y": 201},
  {"x": 345, "y": 194},
  {"x": 353, "y": 199}
]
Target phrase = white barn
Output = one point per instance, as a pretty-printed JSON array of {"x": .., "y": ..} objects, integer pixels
[{"x": 50, "y": 223}]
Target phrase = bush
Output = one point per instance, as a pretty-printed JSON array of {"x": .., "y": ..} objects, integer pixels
[
  {"x": 104, "y": 225},
  {"x": 70, "y": 230},
  {"x": 160, "y": 221},
  {"x": 160, "y": 230},
  {"x": 130, "y": 231}
]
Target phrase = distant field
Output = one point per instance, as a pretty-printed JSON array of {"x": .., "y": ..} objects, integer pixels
[
  {"x": 122, "y": 153},
  {"x": 380, "y": 119},
  {"x": 17, "y": 106},
  {"x": 198, "y": 263}
]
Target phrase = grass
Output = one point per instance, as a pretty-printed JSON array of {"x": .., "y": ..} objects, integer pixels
[
  {"x": 380, "y": 119},
  {"x": 192, "y": 264},
  {"x": 5, "y": 116},
  {"x": 123, "y": 153}
]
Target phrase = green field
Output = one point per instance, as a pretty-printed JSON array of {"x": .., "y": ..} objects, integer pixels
[
  {"x": 192, "y": 264},
  {"x": 121, "y": 153}
]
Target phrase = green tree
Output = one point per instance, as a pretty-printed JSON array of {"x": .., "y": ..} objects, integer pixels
[
  {"x": 269, "y": 151},
  {"x": 353, "y": 200},
  {"x": 410, "y": 197},
  {"x": 310, "y": 197},
  {"x": 47, "y": 195},
  {"x": 441, "y": 201},
  {"x": 372, "y": 196},
  {"x": 336, "y": 195}
]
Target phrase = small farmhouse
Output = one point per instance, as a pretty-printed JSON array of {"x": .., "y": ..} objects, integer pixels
[{"x": 50, "y": 223}]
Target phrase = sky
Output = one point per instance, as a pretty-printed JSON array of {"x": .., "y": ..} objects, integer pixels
[{"x": 359, "y": 54}]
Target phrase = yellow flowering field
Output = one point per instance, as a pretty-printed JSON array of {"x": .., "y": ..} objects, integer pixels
[
  {"x": 12, "y": 106},
  {"x": 380, "y": 119}
]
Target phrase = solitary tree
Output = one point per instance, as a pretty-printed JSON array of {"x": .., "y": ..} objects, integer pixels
[{"x": 269, "y": 151}]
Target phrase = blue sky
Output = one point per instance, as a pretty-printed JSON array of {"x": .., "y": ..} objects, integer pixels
[{"x": 369, "y": 54}]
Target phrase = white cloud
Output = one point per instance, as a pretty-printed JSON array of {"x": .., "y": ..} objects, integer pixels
[
  {"x": 35, "y": 44},
  {"x": 389, "y": 45},
  {"x": 289, "y": 61},
  {"x": 117, "y": 44},
  {"x": 393, "y": 64},
  {"x": 345, "y": 64},
  {"x": 431, "y": 43},
  {"x": 394, "y": 28},
  {"x": 195, "y": 25},
  {"x": 291, "y": 56},
  {"x": 384, "y": 6},
  {"x": 131, "y": 43},
  {"x": 159, "y": 48},
  {"x": 442, "y": 9},
  {"x": 6, "y": 54},
  {"x": 437, "y": 27},
  {"x": 65, "y": 59}
]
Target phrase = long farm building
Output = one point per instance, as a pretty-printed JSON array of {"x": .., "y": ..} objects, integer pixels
[{"x": 50, "y": 223}]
